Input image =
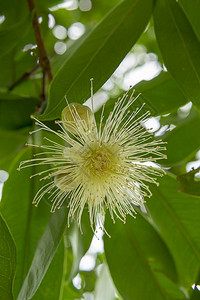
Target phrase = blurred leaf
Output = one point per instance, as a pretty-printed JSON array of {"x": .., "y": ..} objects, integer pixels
[
  {"x": 176, "y": 218},
  {"x": 11, "y": 143},
  {"x": 88, "y": 280},
  {"x": 71, "y": 293},
  {"x": 15, "y": 111},
  {"x": 13, "y": 10},
  {"x": 195, "y": 295},
  {"x": 53, "y": 277},
  {"x": 45, "y": 251},
  {"x": 188, "y": 184},
  {"x": 98, "y": 55},
  {"x": 26, "y": 222},
  {"x": 12, "y": 35},
  {"x": 79, "y": 244},
  {"x": 7, "y": 261},
  {"x": 161, "y": 95},
  {"x": 181, "y": 54},
  {"x": 183, "y": 141},
  {"x": 104, "y": 289},
  {"x": 192, "y": 11},
  {"x": 139, "y": 261}
]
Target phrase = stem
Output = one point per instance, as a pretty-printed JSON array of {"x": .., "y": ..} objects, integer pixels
[
  {"x": 25, "y": 76},
  {"x": 43, "y": 57}
]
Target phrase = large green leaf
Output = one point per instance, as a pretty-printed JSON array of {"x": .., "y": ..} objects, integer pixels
[
  {"x": 15, "y": 111},
  {"x": 7, "y": 261},
  {"x": 161, "y": 95},
  {"x": 183, "y": 141},
  {"x": 44, "y": 254},
  {"x": 139, "y": 262},
  {"x": 176, "y": 218},
  {"x": 98, "y": 55},
  {"x": 192, "y": 11},
  {"x": 45, "y": 290},
  {"x": 179, "y": 47},
  {"x": 11, "y": 143},
  {"x": 12, "y": 35},
  {"x": 26, "y": 222}
]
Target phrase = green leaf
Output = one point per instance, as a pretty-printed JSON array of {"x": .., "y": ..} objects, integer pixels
[
  {"x": 9, "y": 9},
  {"x": 15, "y": 111},
  {"x": 188, "y": 184},
  {"x": 104, "y": 288},
  {"x": 45, "y": 251},
  {"x": 79, "y": 244},
  {"x": 181, "y": 144},
  {"x": 161, "y": 95},
  {"x": 12, "y": 35},
  {"x": 139, "y": 261},
  {"x": 26, "y": 222},
  {"x": 7, "y": 261},
  {"x": 192, "y": 11},
  {"x": 45, "y": 290},
  {"x": 176, "y": 218},
  {"x": 195, "y": 295},
  {"x": 11, "y": 143},
  {"x": 179, "y": 47},
  {"x": 99, "y": 54}
]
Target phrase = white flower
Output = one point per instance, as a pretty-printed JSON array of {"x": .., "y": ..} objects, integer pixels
[{"x": 101, "y": 167}]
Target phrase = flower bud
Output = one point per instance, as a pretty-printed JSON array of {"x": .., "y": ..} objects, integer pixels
[{"x": 77, "y": 117}]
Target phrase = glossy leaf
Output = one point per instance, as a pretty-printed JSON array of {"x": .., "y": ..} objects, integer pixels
[
  {"x": 53, "y": 277},
  {"x": 183, "y": 141},
  {"x": 7, "y": 261},
  {"x": 192, "y": 11},
  {"x": 98, "y": 55},
  {"x": 45, "y": 251},
  {"x": 26, "y": 222},
  {"x": 179, "y": 47},
  {"x": 139, "y": 261},
  {"x": 161, "y": 95},
  {"x": 176, "y": 218}
]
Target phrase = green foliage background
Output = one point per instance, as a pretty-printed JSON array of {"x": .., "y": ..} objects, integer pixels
[{"x": 157, "y": 255}]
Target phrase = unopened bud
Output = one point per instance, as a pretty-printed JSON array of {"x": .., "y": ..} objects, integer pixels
[{"x": 76, "y": 117}]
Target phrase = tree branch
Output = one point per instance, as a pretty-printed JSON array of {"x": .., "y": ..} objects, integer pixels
[
  {"x": 43, "y": 57},
  {"x": 25, "y": 76}
]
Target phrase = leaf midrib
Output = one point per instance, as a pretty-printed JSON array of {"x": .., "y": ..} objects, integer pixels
[
  {"x": 177, "y": 221},
  {"x": 182, "y": 40},
  {"x": 95, "y": 54},
  {"x": 142, "y": 257}
]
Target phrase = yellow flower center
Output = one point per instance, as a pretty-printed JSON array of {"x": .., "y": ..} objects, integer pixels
[{"x": 100, "y": 161}]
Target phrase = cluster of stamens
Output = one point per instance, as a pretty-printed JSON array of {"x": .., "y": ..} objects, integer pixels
[{"x": 101, "y": 167}]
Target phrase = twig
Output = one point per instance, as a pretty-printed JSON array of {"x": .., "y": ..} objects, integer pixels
[
  {"x": 25, "y": 76},
  {"x": 43, "y": 57}
]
